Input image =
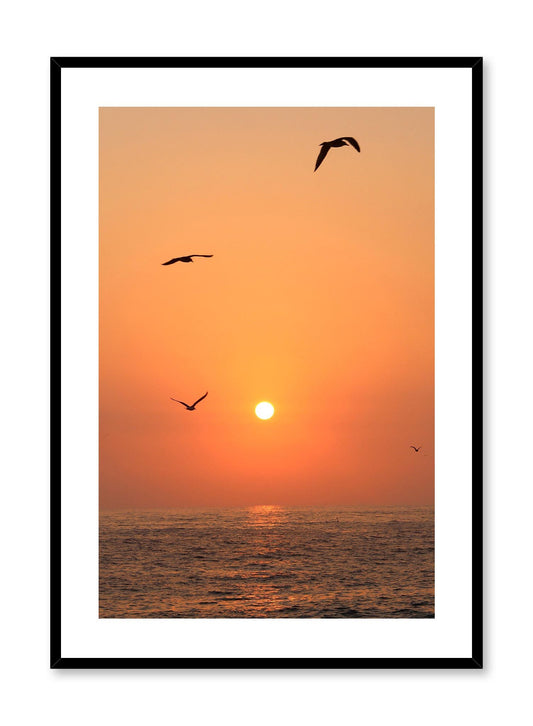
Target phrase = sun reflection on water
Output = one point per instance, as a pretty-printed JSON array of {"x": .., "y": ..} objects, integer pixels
[{"x": 266, "y": 515}]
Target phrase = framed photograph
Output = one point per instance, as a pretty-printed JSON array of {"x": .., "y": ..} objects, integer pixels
[{"x": 266, "y": 362}]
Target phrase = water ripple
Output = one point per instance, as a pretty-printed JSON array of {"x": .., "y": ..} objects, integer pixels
[{"x": 268, "y": 562}]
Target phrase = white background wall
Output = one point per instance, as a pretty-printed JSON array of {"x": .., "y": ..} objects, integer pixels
[{"x": 32, "y": 31}]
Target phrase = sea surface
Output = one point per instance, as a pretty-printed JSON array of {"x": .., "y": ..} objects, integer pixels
[{"x": 268, "y": 562}]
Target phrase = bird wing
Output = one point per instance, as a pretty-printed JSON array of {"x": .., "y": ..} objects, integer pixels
[
  {"x": 183, "y": 404},
  {"x": 323, "y": 151},
  {"x": 352, "y": 141},
  {"x": 201, "y": 399},
  {"x": 200, "y": 255},
  {"x": 413, "y": 447},
  {"x": 171, "y": 262}
]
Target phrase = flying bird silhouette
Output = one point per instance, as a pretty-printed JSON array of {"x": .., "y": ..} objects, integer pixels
[
  {"x": 190, "y": 408},
  {"x": 187, "y": 258},
  {"x": 193, "y": 406},
  {"x": 414, "y": 447},
  {"x": 327, "y": 145}
]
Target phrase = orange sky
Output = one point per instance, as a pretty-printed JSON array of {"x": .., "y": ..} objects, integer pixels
[{"x": 319, "y": 299}]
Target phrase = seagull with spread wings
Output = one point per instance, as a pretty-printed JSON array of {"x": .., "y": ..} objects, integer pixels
[
  {"x": 327, "y": 145},
  {"x": 186, "y": 258},
  {"x": 193, "y": 406},
  {"x": 414, "y": 447}
]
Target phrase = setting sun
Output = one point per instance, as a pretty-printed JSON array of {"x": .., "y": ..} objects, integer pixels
[{"x": 264, "y": 410}]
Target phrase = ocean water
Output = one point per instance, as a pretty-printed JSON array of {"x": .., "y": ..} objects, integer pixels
[{"x": 268, "y": 562}]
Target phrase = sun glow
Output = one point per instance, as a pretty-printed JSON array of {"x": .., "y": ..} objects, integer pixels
[{"x": 264, "y": 410}]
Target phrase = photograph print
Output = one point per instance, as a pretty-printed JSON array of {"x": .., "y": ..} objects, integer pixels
[{"x": 266, "y": 362}]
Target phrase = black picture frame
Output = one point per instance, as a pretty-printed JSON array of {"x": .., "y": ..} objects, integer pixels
[{"x": 57, "y": 660}]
